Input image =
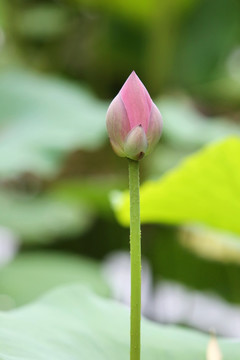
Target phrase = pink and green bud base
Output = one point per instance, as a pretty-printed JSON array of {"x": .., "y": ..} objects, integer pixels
[{"x": 134, "y": 123}]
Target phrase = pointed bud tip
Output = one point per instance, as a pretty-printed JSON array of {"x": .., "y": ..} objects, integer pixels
[{"x": 134, "y": 75}]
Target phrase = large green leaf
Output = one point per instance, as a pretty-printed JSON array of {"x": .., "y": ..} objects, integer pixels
[
  {"x": 33, "y": 273},
  {"x": 72, "y": 323},
  {"x": 42, "y": 218},
  {"x": 205, "y": 188},
  {"x": 42, "y": 119}
]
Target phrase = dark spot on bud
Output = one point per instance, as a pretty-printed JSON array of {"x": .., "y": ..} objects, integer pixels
[{"x": 141, "y": 155}]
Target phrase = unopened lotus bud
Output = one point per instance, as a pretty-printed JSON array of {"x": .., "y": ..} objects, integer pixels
[{"x": 134, "y": 123}]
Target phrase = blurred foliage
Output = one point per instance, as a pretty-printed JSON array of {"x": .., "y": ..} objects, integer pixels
[
  {"x": 182, "y": 43},
  {"x": 92, "y": 192},
  {"x": 187, "y": 128},
  {"x": 207, "y": 40},
  {"x": 42, "y": 218},
  {"x": 94, "y": 328},
  {"x": 26, "y": 278},
  {"x": 60, "y": 64},
  {"x": 32, "y": 20},
  {"x": 49, "y": 118}
]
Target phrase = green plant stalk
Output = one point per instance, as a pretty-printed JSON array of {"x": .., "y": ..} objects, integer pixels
[{"x": 135, "y": 252}]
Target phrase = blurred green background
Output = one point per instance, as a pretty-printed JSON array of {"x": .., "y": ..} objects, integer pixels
[{"x": 61, "y": 63}]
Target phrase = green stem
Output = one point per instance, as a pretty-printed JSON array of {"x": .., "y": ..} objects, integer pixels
[{"x": 135, "y": 251}]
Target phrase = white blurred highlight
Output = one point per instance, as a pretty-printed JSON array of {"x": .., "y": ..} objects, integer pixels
[
  {"x": 8, "y": 245},
  {"x": 117, "y": 272},
  {"x": 173, "y": 303}
]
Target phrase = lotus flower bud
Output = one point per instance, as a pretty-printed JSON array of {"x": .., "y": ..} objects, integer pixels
[{"x": 134, "y": 123}]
